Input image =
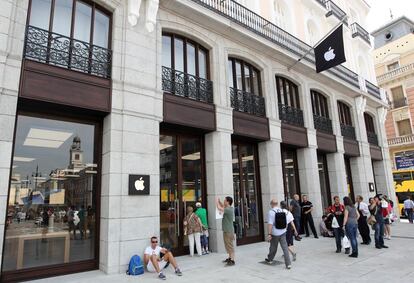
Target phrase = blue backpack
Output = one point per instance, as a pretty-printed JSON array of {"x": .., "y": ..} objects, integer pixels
[{"x": 135, "y": 266}]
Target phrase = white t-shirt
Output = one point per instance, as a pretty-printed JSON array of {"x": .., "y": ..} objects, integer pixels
[
  {"x": 149, "y": 251},
  {"x": 271, "y": 220}
]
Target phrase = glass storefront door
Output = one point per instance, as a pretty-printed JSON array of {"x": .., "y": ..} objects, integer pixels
[
  {"x": 324, "y": 181},
  {"x": 52, "y": 205},
  {"x": 351, "y": 193},
  {"x": 247, "y": 200},
  {"x": 181, "y": 185},
  {"x": 290, "y": 173}
]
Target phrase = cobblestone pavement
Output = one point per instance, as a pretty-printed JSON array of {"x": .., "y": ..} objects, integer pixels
[{"x": 317, "y": 262}]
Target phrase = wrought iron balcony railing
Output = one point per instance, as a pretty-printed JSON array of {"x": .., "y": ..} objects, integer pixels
[
  {"x": 323, "y": 124},
  {"x": 291, "y": 115},
  {"x": 334, "y": 9},
  {"x": 348, "y": 131},
  {"x": 357, "y": 30},
  {"x": 372, "y": 89},
  {"x": 269, "y": 31},
  {"x": 372, "y": 138},
  {"x": 246, "y": 102},
  {"x": 399, "y": 103},
  {"x": 186, "y": 85},
  {"x": 59, "y": 50}
]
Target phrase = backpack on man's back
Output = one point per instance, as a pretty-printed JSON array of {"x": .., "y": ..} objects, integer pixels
[{"x": 280, "y": 219}]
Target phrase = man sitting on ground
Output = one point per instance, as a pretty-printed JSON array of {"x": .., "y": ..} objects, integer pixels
[{"x": 157, "y": 258}]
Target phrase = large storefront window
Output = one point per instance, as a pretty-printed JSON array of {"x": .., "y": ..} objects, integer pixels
[
  {"x": 181, "y": 185},
  {"x": 247, "y": 203},
  {"x": 51, "y": 213},
  {"x": 290, "y": 172},
  {"x": 351, "y": 193},
  {"x": 324, "y": 181}
]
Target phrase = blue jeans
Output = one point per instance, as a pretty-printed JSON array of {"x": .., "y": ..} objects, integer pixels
[
  {"x": 339, "y": 234},
  {"x": 351, "y": 233},
  {"x": 297, "y": 223},
  {"x": 379, "y": 234},
  {"x": 409, "y": 213}
]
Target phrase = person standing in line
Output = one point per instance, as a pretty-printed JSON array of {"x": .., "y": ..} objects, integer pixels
[
  {"x": 337, "y": 210},
  {"x": 307, "y": 208},
  {"x": 386, "y": 213},
  {"x": 82, "y": 217},
  {"x": 376, "y": 209},
  {"x": 227, "y": 211},
  {"x": 409, "y": 208},
  {"x": 363, "y": 228},
  {"x": 296, "y": 210},
  {"x": 193, "y": 229},
  {"x": 277, "y": 220},
  {"x": 291, "y": 229},
  {"x": 202, "y": 214},
  {"x": 351, "y": 217}
]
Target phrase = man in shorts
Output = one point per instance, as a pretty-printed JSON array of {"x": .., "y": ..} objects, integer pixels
[
  {"x": 155, "y": 262},
  {"x": 227, "y": 211}
]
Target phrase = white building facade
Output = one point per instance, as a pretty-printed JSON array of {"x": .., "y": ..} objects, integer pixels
[{"x": 195, "y": 95}]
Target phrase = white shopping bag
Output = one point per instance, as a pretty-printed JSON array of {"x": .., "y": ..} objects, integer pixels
[{"x": 345, "y": 242}]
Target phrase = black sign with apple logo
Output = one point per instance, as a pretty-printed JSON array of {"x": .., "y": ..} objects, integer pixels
[
  {"x": 139, "y": 185},
  {"x": 330, "y": 52}
]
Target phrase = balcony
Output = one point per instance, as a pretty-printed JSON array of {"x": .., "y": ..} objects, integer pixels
[
  {"x": 58, "y": 50},
  {"x": 404, "y": 70},
  {"x": 403, "y": 140},
  {"x": 186, "y": 85},
  {"x": 291, "y": 115},
  {"x": 372, "y": 89},
  {"x": 372, "y": 138},
  {"x": 398, "y": 103},
  {"x": 348, "y": 131},
  {"x": 357, "y": 30},
  {"x": 334, "y": 9},
  {"x": 246, "y": 102},
  {"x": 269, "y": 31},
  {"x": 322, "y": 124}
]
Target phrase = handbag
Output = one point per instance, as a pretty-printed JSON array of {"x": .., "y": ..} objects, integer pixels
[
  {"x": 371, "y": 220},
  {"x": 345, "y": 242}
]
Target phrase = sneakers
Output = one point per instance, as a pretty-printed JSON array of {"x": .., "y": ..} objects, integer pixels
[
  {"x": 226, "y": 260},
  {"x": 268, "y": 261},
  {"x": 353, "y": 255},
  {"x": 384, "y": 247},
  {"x": 338, "y": 251},
  {"x": 162, "y": 276},
  {"x": 230, "y": 262},
  {"x": 178, "y": 272},
  {"x": 289, "y": 267}
]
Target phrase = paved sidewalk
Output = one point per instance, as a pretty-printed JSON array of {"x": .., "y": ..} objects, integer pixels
[{"x": 317, "y": 262}]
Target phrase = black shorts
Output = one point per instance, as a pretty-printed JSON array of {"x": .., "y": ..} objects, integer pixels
[{"x": 289, "y": 235}]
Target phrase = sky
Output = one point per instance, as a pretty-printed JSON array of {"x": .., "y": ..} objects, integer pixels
[{"x": 380, "y": 11}]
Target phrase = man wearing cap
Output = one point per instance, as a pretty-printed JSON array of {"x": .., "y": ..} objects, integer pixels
[
  {"x": 376, "y": 209},
  {"x": 202, "y": 214}
]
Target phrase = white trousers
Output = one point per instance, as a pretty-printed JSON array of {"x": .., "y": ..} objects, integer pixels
[{"x": 191, "y": 238}]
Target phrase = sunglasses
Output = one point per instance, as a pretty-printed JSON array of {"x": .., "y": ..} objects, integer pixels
[{"x": 154, "y": 242}]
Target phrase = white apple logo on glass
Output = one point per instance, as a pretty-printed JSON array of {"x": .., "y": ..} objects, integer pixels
[
  {"x": 139, "y": 184},
  {"x": 329, "y": 55}
]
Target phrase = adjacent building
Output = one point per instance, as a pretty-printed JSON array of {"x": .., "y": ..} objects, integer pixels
[{"x": 197, "y": 96}]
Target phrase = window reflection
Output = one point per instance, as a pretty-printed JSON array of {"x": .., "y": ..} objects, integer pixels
[
  {"x": 40, "y": 13},
  {"x": 290, "y": 171},
  {"x": 51, "y": 206},
  {"x": 101, "y": 29},
  {"x": 324, "y": 181},
  {"x": 83, "y": 21}
]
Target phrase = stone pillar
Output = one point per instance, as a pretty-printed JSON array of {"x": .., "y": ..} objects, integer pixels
[
  {"x": 219, "y": 181},
  {"x": 337, "y": 173},
  {"x": 309, "y": 175},
  {"x": 130, "y": 144},
  {"x": 12, "y": 26}
]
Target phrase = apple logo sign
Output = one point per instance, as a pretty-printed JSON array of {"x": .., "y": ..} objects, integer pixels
[
  {"x": 139, "y": 184},
  {"x": 329, "y": 55}
]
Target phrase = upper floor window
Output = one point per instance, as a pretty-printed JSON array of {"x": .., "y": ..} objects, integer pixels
[
  {"x": 287, "y": 92},
  {"x": 404, "y": 127},
  {"x": 243, "y": 76},
  {"x": 185, "y": 55},
  {"x": 369, "y": 123},
  {"x": 319, "y": 104},
  {"x": 393, "y": 66},
  {"x": 282, "y": 17},
  {"x": 83, "y": 21},
  {"x": 344, "y": 114}
]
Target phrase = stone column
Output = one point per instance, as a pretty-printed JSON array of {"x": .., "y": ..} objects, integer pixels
[
  {"x": 309, "y": 175},
  {"x": 219, "y": 175},
  {"x": 337, "y": 173},
  {"x": 12, "y": 26}
]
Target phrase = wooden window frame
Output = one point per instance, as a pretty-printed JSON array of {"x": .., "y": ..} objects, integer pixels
[
  {"x": 344, "y": 114},
  {"x": 290, "y": 99},
  {"x": 251, "y": 68},
  {"x": 319, "y": 104}
]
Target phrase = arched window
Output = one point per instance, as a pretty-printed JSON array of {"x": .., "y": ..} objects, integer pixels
[
  {"x": 345, "y": 120},
  {"x": 288, "y": 102},
  {"x": 185, "y": 55},
  {"x": 243, "y": 76},
  {"x": 370, "y": 129},
  {"x": 320, "y": 111},
  {"x": 69, "y": 33}
]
